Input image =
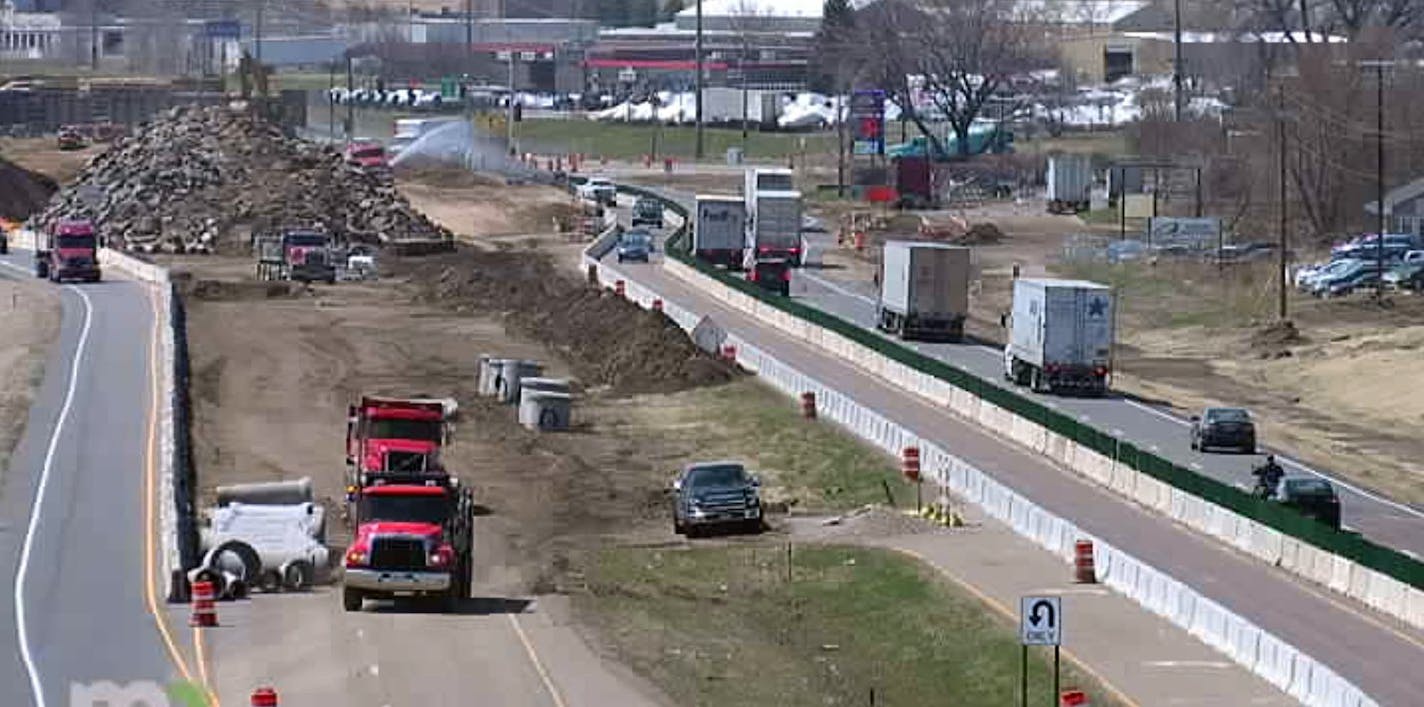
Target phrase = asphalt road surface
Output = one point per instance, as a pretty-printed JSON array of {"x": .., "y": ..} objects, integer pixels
[
  {"x": 1159, "y": 431},
  {"x": 1375, "y": 652},
  {"x": 76, "y": 612}
]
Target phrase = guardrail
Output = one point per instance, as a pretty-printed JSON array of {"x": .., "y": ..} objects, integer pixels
[
  {"x": 1259, "y": 651},
  {"x": 1381, "y": 577}
]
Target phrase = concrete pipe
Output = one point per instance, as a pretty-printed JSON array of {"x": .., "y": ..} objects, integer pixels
[
  {"x": 511, "y": 371},
  {"x": 548, "y": 385},
  {"x": 270, "y": 493},
  {"x": 489, "y": 375},
  {"x": 545, "y": 410},
  {"x": 234, "y": 587}
]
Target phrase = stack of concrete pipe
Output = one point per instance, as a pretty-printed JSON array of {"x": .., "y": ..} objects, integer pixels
[
  {"x": 543, "y": 403},
  {"x": 266, "y": 534}
]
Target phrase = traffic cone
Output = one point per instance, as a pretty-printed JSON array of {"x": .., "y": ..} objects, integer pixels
[
  {"x": 205, "y": 612},
  {"x": 264, "y": 697}
]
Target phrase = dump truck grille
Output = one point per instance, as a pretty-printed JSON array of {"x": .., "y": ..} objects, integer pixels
[{"x": 398, "y": 553}]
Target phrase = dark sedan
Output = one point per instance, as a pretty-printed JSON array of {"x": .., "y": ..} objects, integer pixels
[
  {"x": 1224, "y": 428},
  {"x": 1312, "y": 497}
]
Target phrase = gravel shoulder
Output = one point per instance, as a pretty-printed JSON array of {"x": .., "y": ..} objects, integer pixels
[{"x": 29, "y": 323}]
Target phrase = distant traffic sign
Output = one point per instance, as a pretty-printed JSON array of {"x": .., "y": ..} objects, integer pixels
[
  {"x": 1041, "y": 621},
  {"x": 223, "y": 29}
]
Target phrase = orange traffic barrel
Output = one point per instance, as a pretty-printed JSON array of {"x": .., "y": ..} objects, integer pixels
[
  {"x": 729, "y": 353},
  {"x": 910, "y": 463},
  {"x": 1073, "y": 698},
  {"x": 1084, "y": 571},
  {"x": 657, "y": 305},
  {"x": 808, "y": 405},
  {"x": 620, "y": 288},
  {"x": 264, "y": 697},
  {"x": 205, "y": 612}
]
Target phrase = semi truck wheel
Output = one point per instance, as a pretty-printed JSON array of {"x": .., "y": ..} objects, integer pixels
[{"x": 351, "y": 599}]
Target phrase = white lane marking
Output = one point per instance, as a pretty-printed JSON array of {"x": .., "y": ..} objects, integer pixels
[
  {"x": 375, "y": 670},
  {"x": 1298, "y": 465},
  {"x": 1196, "y": 466},
  {"x": 1116, "y": 432},
  {"x": 1188, "y": 664},
  {"x": 1091, "y": 591},
  {"x": 538, "y": 664},
  {"x": 22, "y": 574},
  {"x": 1158, "y": 413},
  {"x": 990, "y": 349},
  {"x": 1155, "y": 448},
  {"x": 836, "y": 288}
]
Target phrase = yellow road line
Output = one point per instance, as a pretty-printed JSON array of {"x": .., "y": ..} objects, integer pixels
[
  {"x": 150, "y": 517},
  {"x": 202, "y": 659},
  {"x": 534, "y": 658},
  {"x": 1012, "y": 617}
]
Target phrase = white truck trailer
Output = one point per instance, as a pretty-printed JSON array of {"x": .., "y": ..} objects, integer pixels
[
  {"x": 1060, "y": 336},
  {"x": 719, "y": 231},
  {"x": 924, "y": 290},
  {"x": 773, "y": 228}
]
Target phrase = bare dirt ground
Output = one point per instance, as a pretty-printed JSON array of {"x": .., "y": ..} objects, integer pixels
[
  {"x": 39, "y": 154},
  {"x": 484, "y": 209},
  {"x": 29, "y": 322}
]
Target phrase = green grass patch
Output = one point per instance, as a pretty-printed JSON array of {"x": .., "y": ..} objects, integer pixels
[
  {"x": 633, "y": 140},
  {"x": 820, "y": 625},
  {"x": 815, "y": 464}
]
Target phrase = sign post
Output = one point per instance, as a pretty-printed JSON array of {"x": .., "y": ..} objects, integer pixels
[{"x": 1040, "y": 624}]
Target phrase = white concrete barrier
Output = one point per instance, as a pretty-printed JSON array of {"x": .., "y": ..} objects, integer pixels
[{"x": 1244, "y": 643}]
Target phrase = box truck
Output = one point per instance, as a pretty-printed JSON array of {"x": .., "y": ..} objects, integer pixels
[
  {"x": 719, "y": 231},
  {"x": 924, "y": 290},
  {"x": 1060, "y": 336},
  {"x": 1070, "y": 183}
]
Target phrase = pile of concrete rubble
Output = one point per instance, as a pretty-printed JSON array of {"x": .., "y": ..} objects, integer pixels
[{"x": 198, "y": 179}]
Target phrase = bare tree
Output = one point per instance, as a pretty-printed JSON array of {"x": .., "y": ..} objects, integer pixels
[{"x": 955, "y": 55}]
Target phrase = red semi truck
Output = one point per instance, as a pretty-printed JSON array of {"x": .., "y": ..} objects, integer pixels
[
  {"x": 69, "y": 251},
  {"x": 414, "y": 538}
]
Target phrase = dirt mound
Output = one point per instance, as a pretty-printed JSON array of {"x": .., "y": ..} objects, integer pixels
[
  {"x": 981, "y": 234},
  {"x": 1276, "y": 335},
  {"x": 195, "y": 178},
  {"x": 22, "y": 192},
  {"x": 436, "y": 173},
  {"x": 606, "y": 339},
  {"x": 229, "y": 290}
]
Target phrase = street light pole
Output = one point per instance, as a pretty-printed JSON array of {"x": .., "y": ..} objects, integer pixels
[
  {"x": 1281, "y": 248},
  {"x": 698, "y": 83}
]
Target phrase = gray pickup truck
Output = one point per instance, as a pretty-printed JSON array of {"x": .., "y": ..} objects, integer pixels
[{"x": 709, "y": 495}]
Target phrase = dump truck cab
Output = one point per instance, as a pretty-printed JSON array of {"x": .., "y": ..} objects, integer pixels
[
  {"x": 70, "y": 251},
  {"x": 307, "y": 255},
  {"x": 412, "y": 539}
]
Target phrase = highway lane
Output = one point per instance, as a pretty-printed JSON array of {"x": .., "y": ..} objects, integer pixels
[
  {"x": 1373, "y": 651},
  {"x": 82, "y": 608},
  {"x": 1379, "y": 518}
]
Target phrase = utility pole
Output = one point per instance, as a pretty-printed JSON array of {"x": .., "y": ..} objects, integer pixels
[
  {"x": 743, "y": 64},
  {"x": 699, "y": 152},
  {"x": 1177, "y": 59},
  {"x": 509, "y": 127},
  {"x": 469, "y": 34},
  {"x": 1379, "y": 66},
  {"x": 350, "y": 100},
  {"x": 1281, "y": 164},
  {"x": 94, "y": 35},
  {"x": 257, "y": 38}
]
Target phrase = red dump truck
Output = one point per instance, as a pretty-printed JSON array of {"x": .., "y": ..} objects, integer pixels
[
  {"x": 414, "y": 538},
  {"x": 69, "y": 250},
  {"x": 394, "y": 436}
]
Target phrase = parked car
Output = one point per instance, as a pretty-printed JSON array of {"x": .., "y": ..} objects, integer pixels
[
  {"x": 1361, "y": 273},
  {"x": 1405, "y": 276},
  {"x": 1224, "y": 428},
  {"x": 715, "y": 494},
  {"x": 1306, "y": 281},
  {"x": 773, "y": 274},
  {"x": 1368, "y": 246},
  {"x": 1312, "y": 496},
  {"x": 635, "y": 244},
  {"x": 647, "y": 212}
]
